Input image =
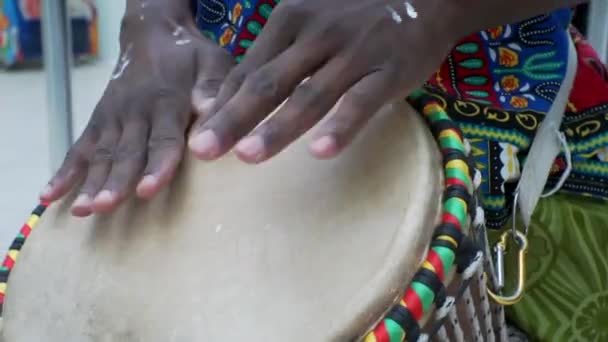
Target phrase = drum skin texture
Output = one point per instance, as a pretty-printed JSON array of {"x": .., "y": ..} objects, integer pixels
[{"x": 294, "y": 249}]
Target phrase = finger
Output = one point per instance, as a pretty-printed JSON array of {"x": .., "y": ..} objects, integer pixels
[
  {"x": 308, "y": 104},
  {"x": 214, "y": 64},
  {"x": 128, "y": 162},
  {"x": 277, "y": 35},
  {"x": 261, "y": 93},
  {"x": 72, "y": 169},
  {"x": 165, "y": 150},
  {"x": 358, "y": 105},
  {"x": 100, "y": 164}
]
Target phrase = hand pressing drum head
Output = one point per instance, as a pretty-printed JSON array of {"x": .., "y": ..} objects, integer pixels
[
  {"x": 135, "y": 138},
  {"x": 366, "y": 52}
]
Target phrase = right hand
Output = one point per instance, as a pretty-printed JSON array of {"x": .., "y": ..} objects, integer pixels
[{"x": 135, "y": 139}]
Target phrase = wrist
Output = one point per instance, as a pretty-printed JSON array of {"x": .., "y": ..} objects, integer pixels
[{"x": 143, "y": 17}]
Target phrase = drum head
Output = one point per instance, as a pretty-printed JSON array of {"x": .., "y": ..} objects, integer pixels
[{"x": 294, "y": 249}]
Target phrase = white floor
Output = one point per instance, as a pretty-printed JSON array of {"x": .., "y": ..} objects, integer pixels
[{"x": 24, "y": 141}]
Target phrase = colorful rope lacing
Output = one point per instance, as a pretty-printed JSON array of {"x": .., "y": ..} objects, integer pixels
[
  {"x": 427, "y": 287},
  {"x": 13, "y": 251}
]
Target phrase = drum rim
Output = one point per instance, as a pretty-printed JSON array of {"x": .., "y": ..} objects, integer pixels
[{"x": 427, "y": 287}]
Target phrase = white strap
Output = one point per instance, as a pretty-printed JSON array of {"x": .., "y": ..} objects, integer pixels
[{"x": 546, "y": 145}]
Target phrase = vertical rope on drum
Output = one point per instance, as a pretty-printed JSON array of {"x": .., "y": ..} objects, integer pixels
[
  {"x": 472, "y": 314},
  {"x": 456, "y": 327},
  {"x": 442, "y": 334}
]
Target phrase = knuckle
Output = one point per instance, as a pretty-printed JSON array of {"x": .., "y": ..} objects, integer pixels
[
  {"x": 103, "y": 154},
  {"x": 128, "y": 152},
  {"x": 328, "y": 29},
  {"x": 263, "y": 84},
  {"x": 236, "y": 78},
  {"x": 75, "y": 156},
  {"x": 164, "y": 93},
  {"x": 308, "y": 93},
  {"x": 209, "y": 84},
  {"x": 163, "y": 141}
]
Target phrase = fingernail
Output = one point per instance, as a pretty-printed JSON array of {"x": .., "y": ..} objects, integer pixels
[
  {"x": 251, "y": 148},
  {"x": 82, "y": 206},
  {"x": 148, "y": 181},
  {"x": 105, "y": 197},
  {"x": 146, "y": 186},
  {"x": 204, "y": 106},
  {"x": 46, "y": 191},
  {"x": 324, "y": 147},
  {"x": 82, "y": 201},
  {"x": 205, "y": 145}
]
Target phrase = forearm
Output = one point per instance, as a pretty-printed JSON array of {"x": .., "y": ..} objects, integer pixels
[
  {"x": 142, "y": 17},
  {"x": 168, "y": 8}
]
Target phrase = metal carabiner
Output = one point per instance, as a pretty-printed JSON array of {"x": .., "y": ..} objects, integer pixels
[{"x": 501, "y": 247}]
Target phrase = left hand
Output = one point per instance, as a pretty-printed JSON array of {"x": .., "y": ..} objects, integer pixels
[{"x": 364, "y": 53}]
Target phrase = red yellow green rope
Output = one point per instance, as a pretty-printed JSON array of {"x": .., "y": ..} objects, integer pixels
[
  {"x": 15, "y": 248},
  {"x": 402, "y": 322}
]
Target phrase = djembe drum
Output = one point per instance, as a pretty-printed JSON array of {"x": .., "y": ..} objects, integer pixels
[{"x": 376, "y": 245}]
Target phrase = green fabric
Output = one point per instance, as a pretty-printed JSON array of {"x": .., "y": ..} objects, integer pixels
[{"x": 567, "y": 287}]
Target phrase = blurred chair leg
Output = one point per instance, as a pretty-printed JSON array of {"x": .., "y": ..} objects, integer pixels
[
  {"x": 57, "y": 46},
  {"x": 598, "y": 27}
]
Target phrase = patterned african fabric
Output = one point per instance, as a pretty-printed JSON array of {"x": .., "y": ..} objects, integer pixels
[{"x": 234, "y": 24}]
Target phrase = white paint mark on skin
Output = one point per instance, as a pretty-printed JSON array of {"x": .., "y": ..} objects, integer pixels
[
  {"x": 183, "y": 42},
  {"x": 411, "y": 11},
  {"x": 218, "y": 228},
  {"x": 394, "y": 15},
  {"x": 178, "y": 31},
  {"x": 123, "y": 63}
]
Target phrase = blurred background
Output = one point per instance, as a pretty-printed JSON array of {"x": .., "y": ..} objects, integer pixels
[
  {"x": 47, "y": 95},
  {"x": 31, "y": 123}
]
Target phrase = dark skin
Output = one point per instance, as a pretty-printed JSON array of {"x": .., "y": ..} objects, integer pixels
[
  {"x": 358, "y": 52},
  {"x": 135, "y": 138}
]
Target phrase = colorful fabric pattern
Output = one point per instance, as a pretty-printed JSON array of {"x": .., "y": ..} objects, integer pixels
[
  {"x": 234, "y": 24},
  {"x": 20, "y": 30}
]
